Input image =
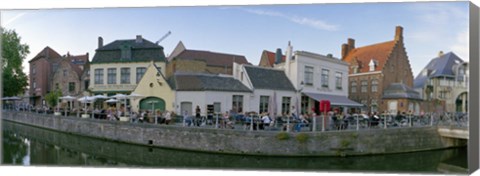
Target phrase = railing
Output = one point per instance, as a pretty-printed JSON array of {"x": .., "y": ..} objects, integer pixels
[{"x": 318, "y": 124}]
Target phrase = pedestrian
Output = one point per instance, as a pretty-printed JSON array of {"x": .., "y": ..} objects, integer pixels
[
  {"x": 197, "y": 116},
  {"x": 168, "y": 117}
]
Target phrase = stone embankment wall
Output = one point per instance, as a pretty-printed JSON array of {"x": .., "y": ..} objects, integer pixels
[{"x": 273, "y": 143}]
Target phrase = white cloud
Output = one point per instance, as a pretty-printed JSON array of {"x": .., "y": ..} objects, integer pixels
[
  {"x": 10, "y": 20},
  {"x": 461, "y": 45},
  {"x": 315, "y": 23}
]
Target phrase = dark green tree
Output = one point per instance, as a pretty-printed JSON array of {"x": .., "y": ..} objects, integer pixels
[
  {"x": 13, "y": 53},
  {"x": 52, "y": 98}
]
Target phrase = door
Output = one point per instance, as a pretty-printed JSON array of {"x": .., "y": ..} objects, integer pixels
[
  {"x": 392, "y": 107},
  {"x": 186, "y": 106},
  {"x": 158, "y": 104},
  {"x": 216, "y": 107}
]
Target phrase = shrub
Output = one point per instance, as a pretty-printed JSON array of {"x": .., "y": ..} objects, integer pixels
[
  {"x": 283, "y": 136},
  {"x": 302, "y": 138}
]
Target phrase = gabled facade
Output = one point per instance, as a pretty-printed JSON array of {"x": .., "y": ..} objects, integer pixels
[
  {"x": 198, "y": 61},
  {"x": 67, "y": 77},
  {"x": 42, "y": 67},
  {"x": 317, "y": 77},
  {"x": 269, "y": 59},
  {"x": 374, "y": 68},
  {"x": 272, "y": 90},
  {"x": 155, "y": 88},
  {"x": 445, "y": 78},
  {"x": 118, "y": 66}
]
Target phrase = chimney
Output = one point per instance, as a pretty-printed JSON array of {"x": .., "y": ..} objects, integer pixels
[
  {"x": 344, "y": 50},
  {"x": 399, "y": 33},
  {"x": 68, "y": 53},
  {"x": 278, "y": 56},
  {"x": 440, "y": 53},
  {"x": 100, "y": 42},
  {"x": 139, "y": 39},
  {"x": 351, "y": 44},
  {"x": 288, "y": 56}
]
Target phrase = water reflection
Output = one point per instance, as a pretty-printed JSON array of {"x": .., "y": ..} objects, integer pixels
[{"x": 45, "y": 147}]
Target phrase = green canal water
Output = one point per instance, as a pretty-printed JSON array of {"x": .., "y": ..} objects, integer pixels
[{"x": 27, "y": 145}]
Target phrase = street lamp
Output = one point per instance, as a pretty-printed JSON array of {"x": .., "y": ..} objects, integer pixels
[{"x": 153, "y": 111}]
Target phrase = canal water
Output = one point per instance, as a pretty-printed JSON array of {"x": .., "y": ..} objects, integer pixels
[{"x": 27, "y": 145}]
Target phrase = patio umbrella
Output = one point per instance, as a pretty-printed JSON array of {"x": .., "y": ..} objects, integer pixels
[
  {"x": 134, "y": 96},
  {"x": 122, "y": 97},
  {"x": 69, "y": 99},
  {"x": 100, "y": 97},
  {"x": 111, "y": 100},
  {"x": 85, "y": 100}
]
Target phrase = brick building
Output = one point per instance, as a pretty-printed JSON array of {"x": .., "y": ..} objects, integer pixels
[
  {"x": 68, "y": 76},
  {"x": 198, "y": 61},
  {"x": 380, "y": 75},
  {"x": 42, "y": 68}
]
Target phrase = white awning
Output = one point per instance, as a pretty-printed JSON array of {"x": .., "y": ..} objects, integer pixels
[{"x": 335, "y": 100}]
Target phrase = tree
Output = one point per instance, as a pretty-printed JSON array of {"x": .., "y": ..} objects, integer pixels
[
  {"x": 13, "y": 54},
  {"x": 52, "y": 98}
]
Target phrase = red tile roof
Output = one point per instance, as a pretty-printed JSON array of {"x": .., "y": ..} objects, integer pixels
[
  {"x": 271, "y": 57},
  {"x": 47, "y": 52},
  {"x": 379, "y": 52},
  {"x": 212, "y": 58},
  {"x": 76, "y": 62}
]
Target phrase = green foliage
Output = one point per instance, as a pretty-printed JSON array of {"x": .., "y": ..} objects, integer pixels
[
  {"x": 13, "y": 54},
  {"x": 302, "y": 137},
  {"x": 282, "y": 136},
  {"x": 52, "y": 98},
  {"x": 345, "y": 143}
]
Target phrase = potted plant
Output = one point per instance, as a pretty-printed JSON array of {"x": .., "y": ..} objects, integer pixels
[{"x": 52, "y": 100}]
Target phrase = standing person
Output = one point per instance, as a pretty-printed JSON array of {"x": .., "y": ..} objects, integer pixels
[
  {"x": 266, "y": 121},
  {"x": 197, "y": 116},
  {"x": 185, "y": 116},
  {"x": 168, "y": 117}
]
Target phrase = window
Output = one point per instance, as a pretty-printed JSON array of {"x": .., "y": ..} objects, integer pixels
[
  {"x": 237, "y": 103},
  {"x": 57, "y": 86},
  {"x": 364, "y": 85},
  {"x": 112, "y": 76},
  {"x": 34, "y": 70},
  {"x": 308, "y": 79},
  {"x": 443, "y": 94},
  {"x": 125, "y": 76},
  {"x": 86, "y": 84},
  {"x": 34, "y": 84},
  {"x": 140, "y": 72},
  {"x": 126, "y": 52},
  {"x": 286, "y": 105},
  {"x": 374, "y": 85},
  {"x": 98, "y": 76},
  {"x": 71, "y": 86},
  {"x": 353, "y": 86},
  {"x": 355, "y": 69},
  {"x": 338, "y": 81},
  {"x": 324, "y": 80},
  {"x": 264, "y": 104},
  {"x": 65, "y": 73},
  {"x": 55, "y": 66}
]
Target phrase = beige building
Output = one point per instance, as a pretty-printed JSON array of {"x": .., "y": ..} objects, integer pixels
[
  {"x": 118, "y": 66},
  {"x": 154, "y": 87}
]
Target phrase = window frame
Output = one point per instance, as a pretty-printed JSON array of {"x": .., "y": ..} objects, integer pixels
[{"x": 125, "y": 75}]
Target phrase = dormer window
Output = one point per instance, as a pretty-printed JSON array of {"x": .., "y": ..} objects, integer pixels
[
  {"x": 355, "y": 69},
  {"x": 372, "y": 65}
]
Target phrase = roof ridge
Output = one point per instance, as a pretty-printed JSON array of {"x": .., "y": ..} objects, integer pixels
[{"x": 266, "y": 68}]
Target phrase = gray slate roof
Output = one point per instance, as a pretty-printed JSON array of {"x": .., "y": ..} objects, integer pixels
[
  {"x": 140, "y": 52},
  {"x": 399, "y": 90},
  {"x": 268, "y": 78},
  {"x": 205, "y": 82},
  {"x": 438, "y": 67}
]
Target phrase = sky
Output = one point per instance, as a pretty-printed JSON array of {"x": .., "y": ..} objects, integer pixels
[{"x": 429, "y": 27}]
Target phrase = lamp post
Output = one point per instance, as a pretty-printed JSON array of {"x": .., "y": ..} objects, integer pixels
[{"x": 153, "y": 111}]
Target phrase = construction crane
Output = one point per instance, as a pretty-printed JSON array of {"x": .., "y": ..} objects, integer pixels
[{"x": 164, "y": 36}]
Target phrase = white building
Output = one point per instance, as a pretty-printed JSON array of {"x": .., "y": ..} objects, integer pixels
[
  {"x": 317, "y": 77},
  {"x": 272, "y": 90}
]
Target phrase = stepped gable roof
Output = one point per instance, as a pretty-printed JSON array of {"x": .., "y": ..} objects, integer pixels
[
  {"x": 400, "y": 90},
  {"x": 271, "y": 57},
  {"x": 441, "y": 66},
  {"x": 205, "y": 82},
  {"x": 379, "y": 52},
  {"x": 143, "y": 51},
  {"x": 212, "y": 58},
  {"x": 47, "y": 52},
  {"x": 269, "y": 78}
]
